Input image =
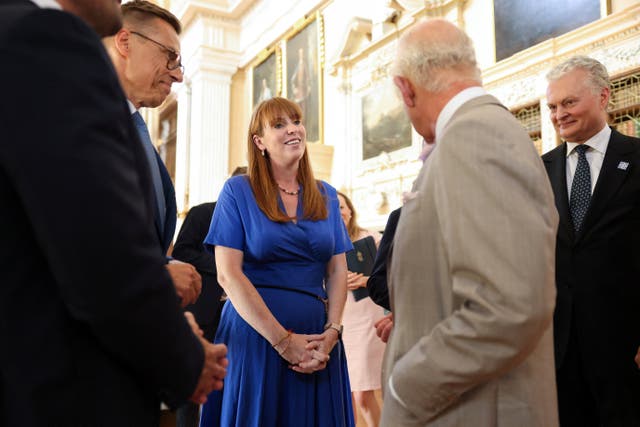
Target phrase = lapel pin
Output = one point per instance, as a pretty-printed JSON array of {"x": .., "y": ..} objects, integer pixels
[{"x": 623, "y": 165}]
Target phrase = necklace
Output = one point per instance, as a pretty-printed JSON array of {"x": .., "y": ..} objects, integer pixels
[{"x": 291, "y": 193}]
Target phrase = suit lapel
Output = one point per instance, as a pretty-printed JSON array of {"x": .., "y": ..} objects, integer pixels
[
  {"x": 615, "y": 169},
  {"x": 166, "y": 234},
  {"x": 557, "y": 170}
]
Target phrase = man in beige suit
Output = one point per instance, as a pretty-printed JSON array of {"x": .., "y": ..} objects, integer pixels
[{"x": 472, "y": 271}]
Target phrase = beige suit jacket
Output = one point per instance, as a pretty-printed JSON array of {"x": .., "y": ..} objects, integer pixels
[{"x": 472, "y": 282}]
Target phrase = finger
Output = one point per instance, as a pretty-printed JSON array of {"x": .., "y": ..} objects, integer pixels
[
  {"x": 313, "y": 345},
  {"x": 311, "y": 364},
  {"x": 313, "y": 337},
  {"x": 322, "y": 357}
]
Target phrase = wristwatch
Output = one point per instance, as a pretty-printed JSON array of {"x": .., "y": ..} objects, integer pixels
[{"x": 336, "y": 327}]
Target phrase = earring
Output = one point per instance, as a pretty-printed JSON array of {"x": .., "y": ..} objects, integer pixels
[{"x": 262, "y": 152}]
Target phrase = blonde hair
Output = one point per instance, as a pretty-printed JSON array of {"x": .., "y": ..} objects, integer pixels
[{"x": 264, "y": 186}]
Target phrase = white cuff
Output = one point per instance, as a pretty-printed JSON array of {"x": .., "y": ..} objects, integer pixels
[{"x": 394, "y": 394}]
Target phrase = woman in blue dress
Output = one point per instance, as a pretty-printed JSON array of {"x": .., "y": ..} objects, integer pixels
[{"x": 279, "y": 247}]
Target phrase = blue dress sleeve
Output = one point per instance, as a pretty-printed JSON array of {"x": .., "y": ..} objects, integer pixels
[{"x": 226, "y": 227}]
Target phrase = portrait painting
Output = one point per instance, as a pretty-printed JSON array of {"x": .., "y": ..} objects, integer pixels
[
  {"x": 522, "y": 24},
  {"x": 265, "y": 79},
  {"x": 303, "y": 74},
  {"x": 385, "y": 126}
]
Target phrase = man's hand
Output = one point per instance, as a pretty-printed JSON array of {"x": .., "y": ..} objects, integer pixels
[
  {"x": 186, "y": 280},
  {"x": 384, "y": 326},
  {"x": 637, "y": 358},
  {"x": 213, "y": 371}
]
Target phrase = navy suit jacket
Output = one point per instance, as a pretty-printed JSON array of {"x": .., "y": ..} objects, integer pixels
[
  {"x": 165, "y": 236},
  {"x": 91, "y": 330},
  {"x": 598, "y": 271},
  {"x": 377, "y": 282}
]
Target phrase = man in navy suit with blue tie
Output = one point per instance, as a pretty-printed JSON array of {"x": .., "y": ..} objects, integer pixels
[
  {"x": 146, "y": 56},
  {"x": 595, "y": 175}
]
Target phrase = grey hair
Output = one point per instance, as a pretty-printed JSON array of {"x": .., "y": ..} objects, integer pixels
[
  {"x": 436, "y": 63},
  {"x": 597, "y": 75}
]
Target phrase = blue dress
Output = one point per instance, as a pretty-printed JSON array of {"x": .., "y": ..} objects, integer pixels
[{"x": 260, "y": 389}]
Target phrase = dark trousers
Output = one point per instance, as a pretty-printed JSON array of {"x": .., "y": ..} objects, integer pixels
[{"x": 589, "y": 398}]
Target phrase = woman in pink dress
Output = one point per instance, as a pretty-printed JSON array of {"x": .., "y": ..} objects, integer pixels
[{"x": 364, "y": 350}]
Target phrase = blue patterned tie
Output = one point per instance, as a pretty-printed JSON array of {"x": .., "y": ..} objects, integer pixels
[
  {"x": 580, "y": 189},
  {"x": 150, "y": 151}
]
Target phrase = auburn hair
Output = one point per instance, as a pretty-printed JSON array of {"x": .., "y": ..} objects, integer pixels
[{"x": 264, "y": 186}]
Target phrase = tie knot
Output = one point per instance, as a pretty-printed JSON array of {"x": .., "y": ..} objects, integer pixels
[{"x": 581, "y": 149}]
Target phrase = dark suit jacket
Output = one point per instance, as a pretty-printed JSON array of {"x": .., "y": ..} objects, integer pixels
[
  {"x": 166, "y": 235},
  {"x": 189, "y": 248},
  {"x": 598, "y": 271},
  {"x": 91, "y": 332},
  {"x": 377, "y": 283}
]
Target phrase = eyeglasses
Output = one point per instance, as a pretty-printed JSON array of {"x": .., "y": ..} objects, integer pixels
[{"x": 174, "y": 60}]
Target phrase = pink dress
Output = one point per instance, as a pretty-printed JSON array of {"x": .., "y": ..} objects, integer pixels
[{"x": 362, "y": 346}]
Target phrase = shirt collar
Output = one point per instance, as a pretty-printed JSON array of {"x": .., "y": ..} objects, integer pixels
[
  {"x": 454, "y": 104},
  {"x": 47, "y": 4},
  {"x": 132, "y": 108},
  {"x": 598, "y": 142}
]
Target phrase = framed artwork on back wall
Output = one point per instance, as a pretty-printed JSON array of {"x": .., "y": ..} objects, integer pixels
[
  {"x": 266, "y": 82},
  {"x": 304, "y": 73},
  {"x": 385, "y": 126}
]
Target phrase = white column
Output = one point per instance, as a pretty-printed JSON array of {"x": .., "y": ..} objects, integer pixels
[
  {"x": 210, "y": 55},
  {"x": 209, "y": 145},
  {"x": 183, "y": 142}
]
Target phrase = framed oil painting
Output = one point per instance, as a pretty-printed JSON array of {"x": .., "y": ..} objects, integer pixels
[
  {"x": 524, "y": 23},
  {"x": 303, "y": 74},
  {"x": 385, "y": 126},
  {"x": 265, "y": 79}
]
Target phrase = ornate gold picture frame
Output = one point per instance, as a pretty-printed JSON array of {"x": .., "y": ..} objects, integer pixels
[{"x": 302, "y": 72}]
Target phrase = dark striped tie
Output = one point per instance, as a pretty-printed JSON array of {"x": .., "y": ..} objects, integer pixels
[{"x": 580, "y": 189}]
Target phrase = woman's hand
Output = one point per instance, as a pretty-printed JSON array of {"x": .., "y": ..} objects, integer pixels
[
  {"x": 293, "y": 349},
  {"x": 319, "y": 346},
  {"x": 356, "y": 280}
]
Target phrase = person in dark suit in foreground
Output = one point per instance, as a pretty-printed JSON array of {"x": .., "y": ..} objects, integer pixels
[
  {"x": 595, "y": 175},
  {"x": 91, "y": 329}
]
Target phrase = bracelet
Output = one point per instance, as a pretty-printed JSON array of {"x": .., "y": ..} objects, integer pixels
[
  {"x": 289, "y": 332},
  {"x": 285, "y": 347}
]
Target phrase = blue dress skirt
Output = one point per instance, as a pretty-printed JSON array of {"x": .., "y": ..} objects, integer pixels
[{"x": 260, "y": 389}]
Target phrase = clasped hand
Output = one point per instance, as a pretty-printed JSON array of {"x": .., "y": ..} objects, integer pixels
[{"x": 309, "y": 353}]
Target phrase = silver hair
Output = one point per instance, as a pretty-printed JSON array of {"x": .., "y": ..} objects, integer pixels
[
  {"x": 437, "y": 63},
  {"x": 597, "y": 75}
]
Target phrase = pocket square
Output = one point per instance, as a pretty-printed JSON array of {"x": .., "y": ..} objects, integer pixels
[{"x": 623, "y": 165}]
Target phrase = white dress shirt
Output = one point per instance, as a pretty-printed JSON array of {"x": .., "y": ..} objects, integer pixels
[{"x": 47, "y": 4}]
